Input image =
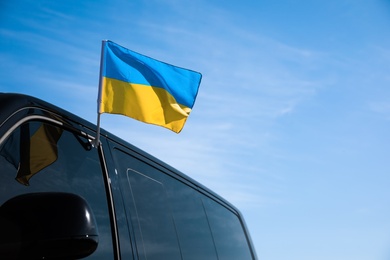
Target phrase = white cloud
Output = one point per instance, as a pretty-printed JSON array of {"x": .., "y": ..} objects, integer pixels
[{"x": 381, "y": 107}]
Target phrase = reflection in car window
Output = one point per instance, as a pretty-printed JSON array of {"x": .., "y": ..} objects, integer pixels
[
  {"x": 40, "y": 157},
  {"x": 155, "y": 219},
  {"x": 195, "y": 237},
  {"x": 230, "y": 239},
  {"x": 165, "y": 209}
]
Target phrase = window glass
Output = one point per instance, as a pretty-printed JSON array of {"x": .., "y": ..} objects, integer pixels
[
  {"x": 194, "y": 233},
  {"x": 39, "y": 157},
  {"x": 149, "y": 210},
  {"x": 154, "y": 216},
  {"x": 229, "y": 237},
  {"x": 167, "y": 209}
]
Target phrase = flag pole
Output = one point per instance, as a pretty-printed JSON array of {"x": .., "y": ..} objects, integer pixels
[{"x": 99, "y": 100}]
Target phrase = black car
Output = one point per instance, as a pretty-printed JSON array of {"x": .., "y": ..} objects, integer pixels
[{"x": 64, "y": 197}]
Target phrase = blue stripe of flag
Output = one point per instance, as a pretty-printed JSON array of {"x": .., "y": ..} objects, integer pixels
[{"x": 128, "y": 66}]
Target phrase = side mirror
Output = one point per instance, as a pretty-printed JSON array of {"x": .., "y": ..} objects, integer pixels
[{"x": 48, "y": 225}]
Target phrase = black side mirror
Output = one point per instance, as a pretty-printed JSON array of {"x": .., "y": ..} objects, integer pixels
[{"x": 48, "y": 225}]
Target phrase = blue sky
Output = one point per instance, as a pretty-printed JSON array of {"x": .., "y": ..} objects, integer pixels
[{"x": 292, "y": 119}]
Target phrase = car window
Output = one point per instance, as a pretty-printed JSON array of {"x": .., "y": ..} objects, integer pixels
[
  {"x": 229, "y": 236},
  {"x": 167, "y": 215},
  {"x": 41, "y": 157}
]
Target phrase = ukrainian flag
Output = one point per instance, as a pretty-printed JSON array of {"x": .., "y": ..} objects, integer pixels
[{"x": 145, "y": 89}]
